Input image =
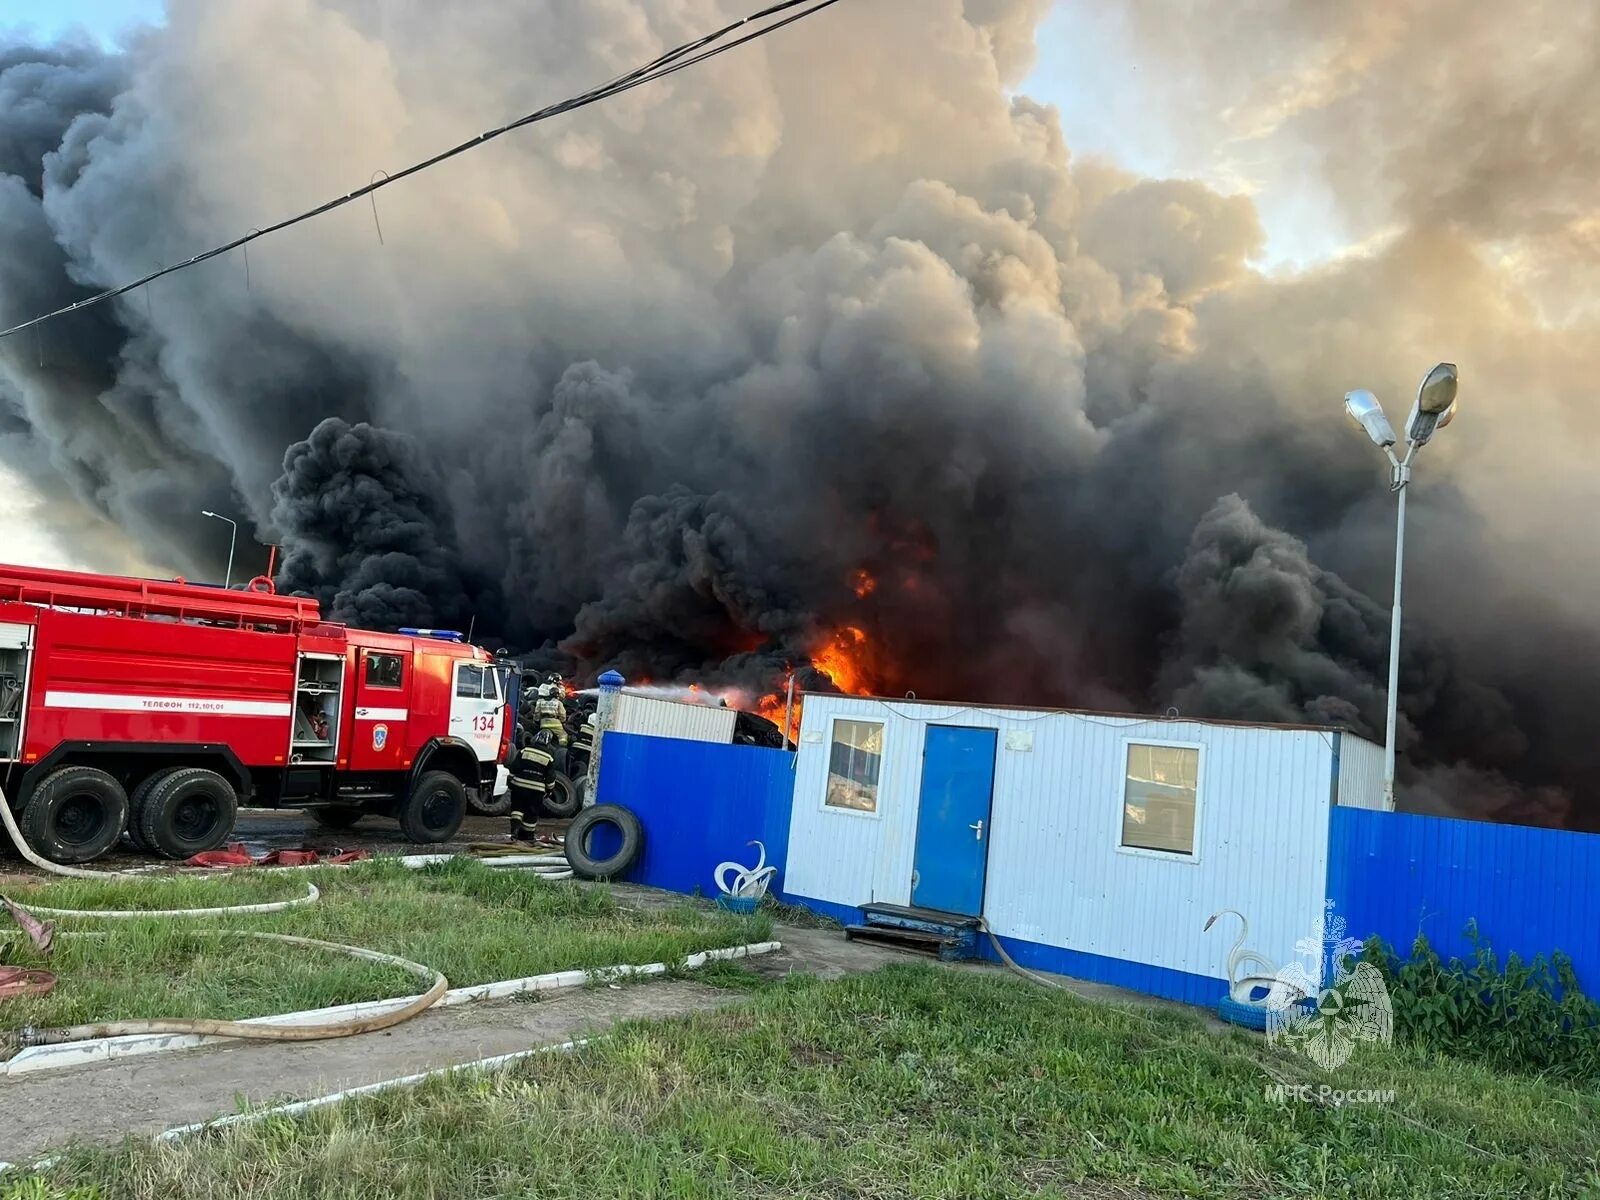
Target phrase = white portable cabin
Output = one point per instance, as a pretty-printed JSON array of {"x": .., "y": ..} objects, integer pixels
[
  {"x": 1095, "y": 845},
  {"x": 640, "y": 712}
]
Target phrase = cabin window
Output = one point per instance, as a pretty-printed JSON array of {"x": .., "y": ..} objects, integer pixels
[
  {"x": 384, "y": 670},
  {"x": 1160, "y": 788},
  {"x": 853, "y": 762},
  {"x": 469, "y": 681},
  {"x": 491, "y": 685}
]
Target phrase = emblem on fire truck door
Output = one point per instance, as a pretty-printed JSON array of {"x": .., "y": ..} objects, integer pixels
[{"x": 380, "y": 736}]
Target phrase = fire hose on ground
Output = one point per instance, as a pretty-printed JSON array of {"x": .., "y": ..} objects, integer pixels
[
  {"x": 348, "y": 1027},
  {"x": 1030, "y": 976}
]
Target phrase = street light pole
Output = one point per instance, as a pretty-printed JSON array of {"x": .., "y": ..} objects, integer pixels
[
  {"x": 1402, "y": 477},
  {"x": 1435, "y": 408},
  {"x": 233, "y": 538}
]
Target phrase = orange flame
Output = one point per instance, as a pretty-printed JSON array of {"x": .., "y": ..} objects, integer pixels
[
  {"x": 862, "y": 581},
  {"x": 842, "y": 658}
]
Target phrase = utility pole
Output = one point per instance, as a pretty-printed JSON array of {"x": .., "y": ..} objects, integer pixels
[{"x": 233, "y": 538}]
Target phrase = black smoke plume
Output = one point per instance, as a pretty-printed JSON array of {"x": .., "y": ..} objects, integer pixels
[
  {"x": 830, "y": 351},
  {"x": 367, "y": 528}
]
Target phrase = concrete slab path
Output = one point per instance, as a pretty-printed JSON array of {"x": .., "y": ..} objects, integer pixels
[{"x": 103, "y": 1103}]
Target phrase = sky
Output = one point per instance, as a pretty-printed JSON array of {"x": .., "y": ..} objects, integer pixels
[
  {"x": 106, "y": 21},
  {"x": 1085, "y": 66},
  {"x": 103, "y": 19},
  {"x": 1110, "y": 108}
]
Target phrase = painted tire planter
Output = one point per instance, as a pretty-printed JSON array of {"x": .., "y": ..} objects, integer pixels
[
  {"x": 1252, "y": 1015},
  {"x": 1247, "y": 1016}
]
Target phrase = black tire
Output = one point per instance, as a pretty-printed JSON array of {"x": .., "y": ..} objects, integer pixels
[
  {"x": 492, "y": 806},
  {"x": 343, "y": 817},
  {"x": 584, "y": 864},
  {"x": 434, "y": 810},
  {"x": 562, "y": 799},
  {"x": 187, "y": 811},
  {"x": 136, "y": 799},
  {"x": 75, "y": 815}
]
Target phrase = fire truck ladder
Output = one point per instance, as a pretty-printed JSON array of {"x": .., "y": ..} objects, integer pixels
[{"x": 257, "y": 606}]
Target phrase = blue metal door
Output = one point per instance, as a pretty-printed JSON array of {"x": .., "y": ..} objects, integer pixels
[{"x": 953, "y": 819}]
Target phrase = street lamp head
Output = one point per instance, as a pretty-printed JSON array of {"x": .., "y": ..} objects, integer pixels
[
  {"x": 1435, "y": 406},
  {"x": 206, "y": 512},
  {"x": 1437, "y": 391},
  {"x": 1362, "y": 407}
]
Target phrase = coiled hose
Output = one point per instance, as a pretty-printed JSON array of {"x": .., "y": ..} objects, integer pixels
[
  {"x": 348, "y": 1027},
  {"x": 242, "y": 1029},
  {"x": 546, "y": 864}
]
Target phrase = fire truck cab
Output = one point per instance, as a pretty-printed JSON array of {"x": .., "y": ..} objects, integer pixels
[{"x": 157, "y": 708}]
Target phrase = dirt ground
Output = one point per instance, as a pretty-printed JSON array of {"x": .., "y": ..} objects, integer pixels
[{"x": 263, "y": 830}]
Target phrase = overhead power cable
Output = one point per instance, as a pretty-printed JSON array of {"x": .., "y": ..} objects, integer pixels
[{"x": 680, "y": 58}]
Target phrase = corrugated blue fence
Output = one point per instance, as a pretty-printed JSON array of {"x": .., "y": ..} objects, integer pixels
[
  {"x": 1531, "y": 891},
  {"x": 700, "y": 803}
]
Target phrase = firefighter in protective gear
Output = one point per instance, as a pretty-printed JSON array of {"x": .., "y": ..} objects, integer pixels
[
  {"x": 530, "y": 782},
  {"x": 550, "y": 711},
  {"x": 583, "y": 739}
]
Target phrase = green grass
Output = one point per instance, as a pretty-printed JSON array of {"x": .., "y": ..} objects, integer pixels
[
  {"x": 797, "y": 915},
  {"x": 473, "y": 923},
  {"x": 171, "y": 891},
  {"x": 731, "y": 976},
  {"x": 912, "y": 1082}
]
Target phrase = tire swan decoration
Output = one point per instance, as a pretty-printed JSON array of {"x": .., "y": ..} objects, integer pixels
[
  {"x": 1245, "y": 985},
  {"x": 745, "y": 883}
]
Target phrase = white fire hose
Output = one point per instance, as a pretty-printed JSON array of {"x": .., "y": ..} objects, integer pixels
[
  {"x": 208, "y": 1027},
  {"x": 44, "y": 864},
  {"x": 215, "y": 1028}
]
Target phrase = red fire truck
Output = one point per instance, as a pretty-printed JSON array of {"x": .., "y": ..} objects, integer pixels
[{"x": 157, "y": 708}]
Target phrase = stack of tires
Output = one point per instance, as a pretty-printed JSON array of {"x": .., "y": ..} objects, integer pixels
[{"x": 539, "y": 788}]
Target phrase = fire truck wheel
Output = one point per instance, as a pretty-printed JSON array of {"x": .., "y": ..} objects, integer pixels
[
  {"x": 435, "y": 808},
  {"x": 187, "y": 811},
  {"x": 75, "y": 815},
  {"x": 563, "y": 799},
  {"x": 136, "y": 799}
]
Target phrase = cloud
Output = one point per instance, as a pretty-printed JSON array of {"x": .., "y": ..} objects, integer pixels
[{"x": 656, "y": 384}]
